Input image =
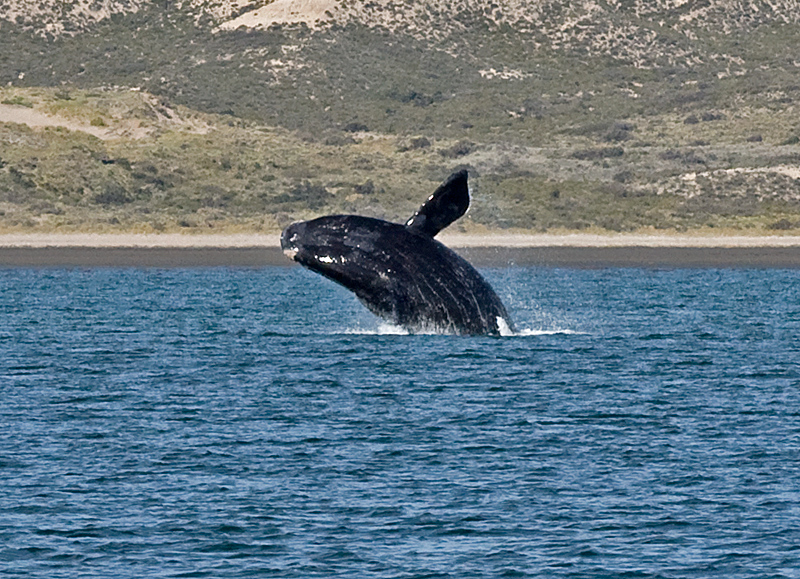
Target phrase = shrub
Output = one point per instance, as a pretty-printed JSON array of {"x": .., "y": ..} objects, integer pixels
[
  {"x": 355, "y": 128},
  {"x": 312, "y": 196},
  {"x": 689, "y": 157},
  {"x": 781, "y": 225},
  {"x": 367, "y": 188},
  {"x": 458, "y": 150},
  {"x": 619, "y": 131},
  {"x": 535, "y": 108},
  {"x": 417, "y": 98},
  {"x": 624, "y": 176},
  {"x": 415, "y": 144},
  {"x": 601, "y": 153},
  {"x": 19, "y": 101},
  {"x": 339, "y": 141},
  {"x": 112, "y": 194}
]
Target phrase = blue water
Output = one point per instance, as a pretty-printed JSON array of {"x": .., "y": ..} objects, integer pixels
[{"x": 260, "y": 423}]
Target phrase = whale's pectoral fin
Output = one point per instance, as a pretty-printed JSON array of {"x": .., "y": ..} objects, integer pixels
[{"x": 449, "y": 202}]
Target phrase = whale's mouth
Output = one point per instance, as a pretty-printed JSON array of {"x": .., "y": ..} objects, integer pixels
[{"x": 289, "y": 240}]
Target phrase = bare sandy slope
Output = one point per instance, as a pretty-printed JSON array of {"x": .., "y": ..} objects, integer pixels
[
  {"x": 284, "y": 12},
  {"x": 577, "y": 240},
  {"x": 32, "y": 118}
]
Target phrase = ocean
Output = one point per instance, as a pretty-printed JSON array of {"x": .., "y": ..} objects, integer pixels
[{"x": 261, "y": 423}]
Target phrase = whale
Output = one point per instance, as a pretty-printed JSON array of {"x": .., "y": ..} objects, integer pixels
[{"x": 399, "y": 271}]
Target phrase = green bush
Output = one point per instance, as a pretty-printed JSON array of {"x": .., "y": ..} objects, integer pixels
[{"x": 308, "y": 194}]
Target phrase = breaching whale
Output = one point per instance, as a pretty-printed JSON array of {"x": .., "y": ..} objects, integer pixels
[{"x": 400, "y": 272}]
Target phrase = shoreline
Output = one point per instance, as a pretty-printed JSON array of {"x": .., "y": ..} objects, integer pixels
[
  {"x": 453, "y": 240},
  {"x": 483, "y": 250}
]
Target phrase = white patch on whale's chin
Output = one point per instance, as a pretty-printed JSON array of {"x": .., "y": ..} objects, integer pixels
[
  {"x": 327, "y": 259},
  {"x": 290, "y": 252},
  {"x": 502, "y": 326}
]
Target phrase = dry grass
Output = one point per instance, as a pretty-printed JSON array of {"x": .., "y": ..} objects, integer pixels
[{"x": 161, "y": 168}]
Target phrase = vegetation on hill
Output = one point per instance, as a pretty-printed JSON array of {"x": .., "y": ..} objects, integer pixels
[
  {"x": 164, "y": 167},
  {"x": 666, "y": 126}
]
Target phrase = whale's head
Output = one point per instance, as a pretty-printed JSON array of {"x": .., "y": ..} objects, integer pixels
[
  {"x": 350, "y": 246},
  {"x": 348, "y": 249}
]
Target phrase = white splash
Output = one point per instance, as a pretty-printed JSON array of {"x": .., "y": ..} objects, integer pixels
[
  {"x": 383, "y": 329},
  {"x": 389, "y": 329},
  {"x": 506, "y": 331},
  {"x": 563, "y": 332},
  {"x": 504, "y": 328}
]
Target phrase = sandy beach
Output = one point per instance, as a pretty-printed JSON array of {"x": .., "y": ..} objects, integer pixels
[
  {"x": 258, "y": 250},
  {"x": 454, "y": 240}
]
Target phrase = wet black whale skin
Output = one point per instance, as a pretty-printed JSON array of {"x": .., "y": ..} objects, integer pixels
[{"x": 400, "y": 272}]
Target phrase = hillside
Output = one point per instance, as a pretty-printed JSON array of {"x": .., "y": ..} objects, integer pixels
[{"x": 612, "y": 115}]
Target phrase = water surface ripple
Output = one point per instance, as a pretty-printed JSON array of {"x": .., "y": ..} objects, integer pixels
[{"x": 235, "y": 423}]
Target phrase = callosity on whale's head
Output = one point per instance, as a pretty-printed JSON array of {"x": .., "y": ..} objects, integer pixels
[{"x": 399, "y": 271}]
